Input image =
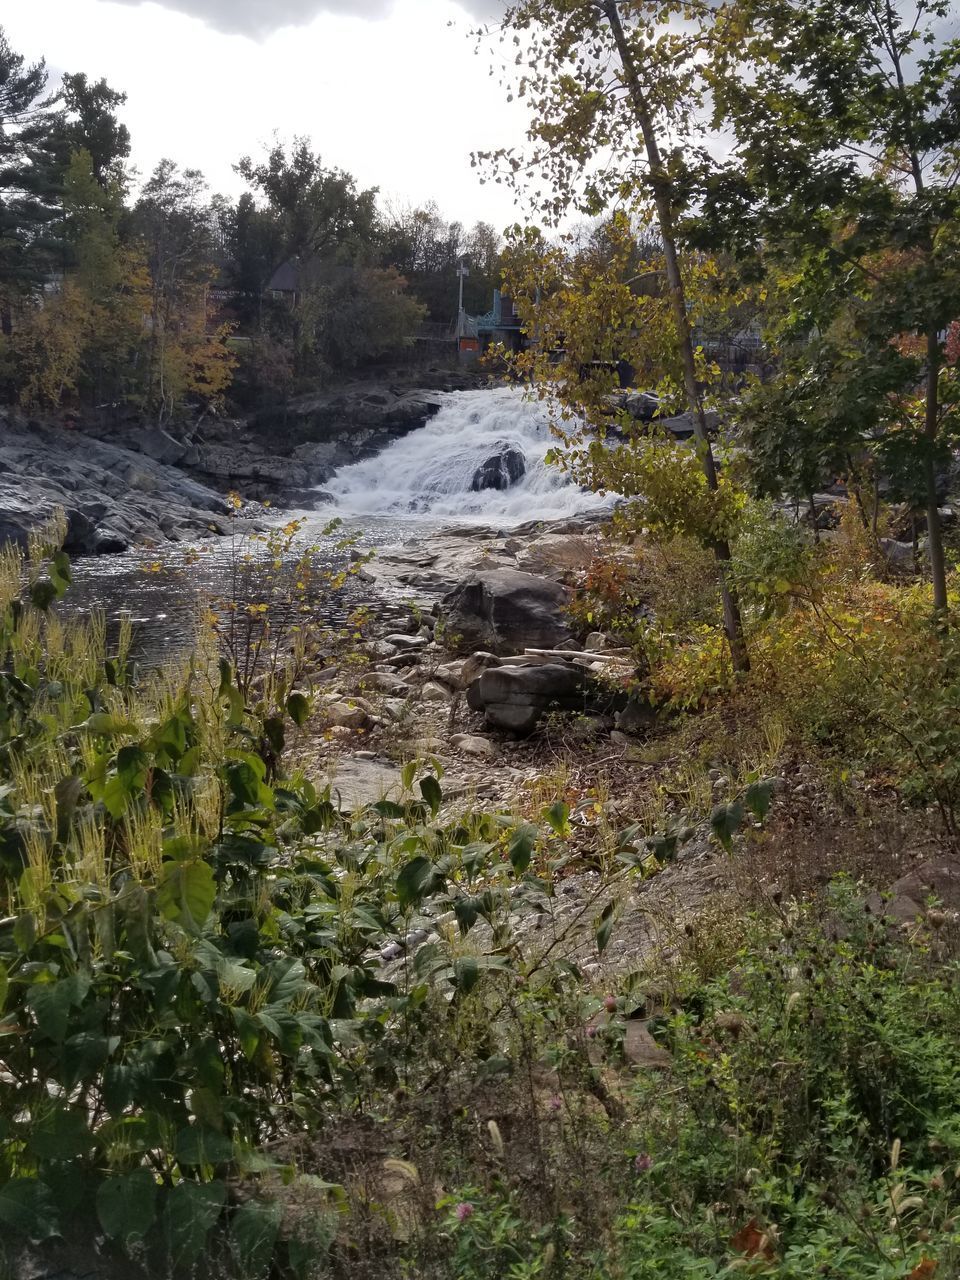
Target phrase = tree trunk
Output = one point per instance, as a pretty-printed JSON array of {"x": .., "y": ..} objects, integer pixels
[
  {"x": 938, "y": 568},
  {"x": 931, "y": 424},
  {"x": 660, "y": 181}
]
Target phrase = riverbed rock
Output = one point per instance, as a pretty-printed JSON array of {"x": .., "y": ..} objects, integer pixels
[
  {"x": 381, "y": 649},
  {"x": 161, "y": 446},
  {"x": 642, "y": 406},
  {"x": 384, "y": 682},
  {"x": 472, "y": 744},
  {"x": 396, "y": 708},
  {"x": 347, "y": 715},
  {"x": 909, "y": 897},
  {"x": 434, "y": 692},
  {"x": 451, "y": 674},
  {"x": 475, "y": 666},
  {"x": 504, "y": 610},
  {"x": 501, "y": 470},
  {"x": 325, "y": 431},
  {"x": 515, "y": 698},
  {"x": 409, "y": 643},
  {"x": 113, "y": 497},
  {"x": 681, "y": 426},
  {"x": 361, "y": 782}
]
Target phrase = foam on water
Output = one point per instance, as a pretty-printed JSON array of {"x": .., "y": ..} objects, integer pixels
[{"x": 429, "y": 473}]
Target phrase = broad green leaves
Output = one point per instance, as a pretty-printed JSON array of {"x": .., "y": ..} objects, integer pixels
[
  {"x": 522, "y": 844},
  {"x": 27, "y": 1207},
  {"x": 186, "y": 892},
  {"x": 126, "y": 1205},
  {"x": 191, "y": 1210}
]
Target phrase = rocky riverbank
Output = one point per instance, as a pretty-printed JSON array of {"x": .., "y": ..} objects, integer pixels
[{"x": 124, "y": 483}]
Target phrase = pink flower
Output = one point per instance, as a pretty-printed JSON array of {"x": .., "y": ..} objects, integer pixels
[
  {"x": 464, "y": 1210},
  {"x": 643, "y": 1163},
  {"x": 555, "y": 1103}
]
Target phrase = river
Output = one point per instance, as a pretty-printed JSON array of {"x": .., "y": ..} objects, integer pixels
[{"x": 422, "y": 482}]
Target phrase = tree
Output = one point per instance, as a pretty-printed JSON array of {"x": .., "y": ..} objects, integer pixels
[
  {"x": 85, "y": 338},
  {"x": 623, "y": 77},
  {"x": 319, "y": 211},
  {"x": 844, "y": 184},
  {"x": 427, "y": 251},
  {"x": 366, "y": 315},
  {"x": 27, "y": 194},
  {"x": 184, "y": 356},
  {"x": 88, "y": 122},
  {"x": 252, "y": 245}
]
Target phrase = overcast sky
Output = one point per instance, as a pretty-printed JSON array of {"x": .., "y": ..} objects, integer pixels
[{"x": 389, "y": 89}]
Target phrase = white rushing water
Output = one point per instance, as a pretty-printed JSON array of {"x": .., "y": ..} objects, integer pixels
[{"x": 431, "y": 472}]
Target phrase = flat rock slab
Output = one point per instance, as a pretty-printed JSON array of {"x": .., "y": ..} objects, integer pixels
[{"x": 363, "y": 782}]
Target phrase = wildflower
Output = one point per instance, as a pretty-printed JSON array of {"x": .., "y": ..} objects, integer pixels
[
  {"x": 464, "y": 1210},
  {"x": 643, "y": 1162},
  {"x": 555, "y": 1103}
]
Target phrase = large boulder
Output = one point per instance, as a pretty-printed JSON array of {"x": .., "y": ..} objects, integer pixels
[
  {"x": 161, "y": 446},
  {"x": 501, "y": 470},
  {"x": 506, "y": 611},
  {"x": 681, "y": 427},
  {"x": 20, "y": 512},
  {"x": 909, "y": 896},
  {"x": 113, "y": 497},
  {"x": 642, "y": 406},
  {"x": 514, "y": 698}
]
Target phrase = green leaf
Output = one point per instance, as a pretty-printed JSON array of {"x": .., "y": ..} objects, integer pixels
[
  {"x": 248, "y": 1032},
  {"x": 237, "y": 706},
  {"x": 408, "y": 774},
  {"x": 61, "y": 1134},
  {"x": 466, "y": 973},
  {"x": 191, "y": 1210},
  {"x": 253, "y": 1236},
  {"x": 244, "y": 783},
  {"x": 605, "y": 927},
  {"x": 432, "y": 792},
  {"x": 182, "y": 848},
  {"x": 67, "y": 794},
  {"x": 298, "y": 709},
  {"x": 43, "y": 594},
  {"x": 127, "y": 1205},
  {"x": 25, "y": 931},
  {"x": 467, "y": 910},
  {"x": 416, "y": 880},
  {"x": 4, "y": 986},
  {"x": 197, "y": 1145},
  {"x": 558, "y": 816},
  {"x": 759, "y": 797},
  {"x": 60, "y": 574},
  {"x": 226, "y": 677},
  {"x": 105, "y": 725},
  {"x": 132, "y": 765},
  {"x": 522, "y": 845},
  {"x": 84, "y": 1056},
  {"x": 186, "y": 892},
  {"x": 28, "y": 1207},
  {"x": 726, "y": 820},
  {"x": 285, "y": 981},
  {"x": 51, "y": 1004}
]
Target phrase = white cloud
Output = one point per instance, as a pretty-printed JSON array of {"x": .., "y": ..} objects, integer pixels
[{"x": 259, "y": 18}]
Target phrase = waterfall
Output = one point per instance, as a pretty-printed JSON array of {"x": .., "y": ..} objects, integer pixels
[{"x": 465, "y": 465}]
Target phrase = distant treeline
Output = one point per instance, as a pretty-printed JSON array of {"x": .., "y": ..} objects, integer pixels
[{"x": 169, "y": 297}]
